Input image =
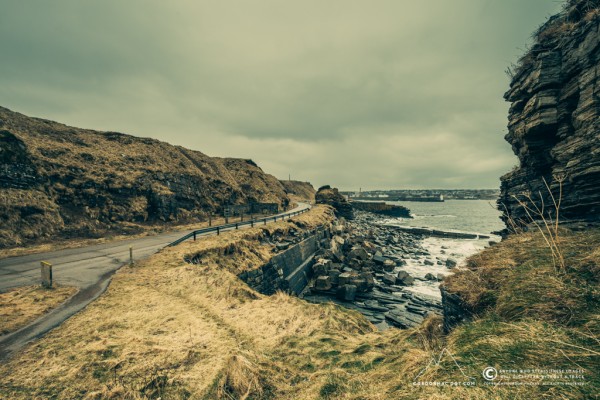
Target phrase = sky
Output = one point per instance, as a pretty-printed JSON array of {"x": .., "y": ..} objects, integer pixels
[{"x": 371, "y": 94}]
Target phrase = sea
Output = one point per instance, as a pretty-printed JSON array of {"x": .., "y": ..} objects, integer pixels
[{"x": 472, "y": 216}]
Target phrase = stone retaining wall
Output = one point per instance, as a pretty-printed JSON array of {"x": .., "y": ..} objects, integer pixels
[{"x": 289, "y": 270}]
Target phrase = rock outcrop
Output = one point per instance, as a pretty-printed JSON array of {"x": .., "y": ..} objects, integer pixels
[
  {"x": 382, "y": 208},
  {"x": 554, "y": 118},
  {"x": 58, "y": 181},
  {"x": 332, "y": 197}
]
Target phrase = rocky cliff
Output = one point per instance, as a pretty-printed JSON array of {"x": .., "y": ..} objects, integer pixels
[
  {"x": 554, "y": 124},
  {"x": 57, "y": 181}
]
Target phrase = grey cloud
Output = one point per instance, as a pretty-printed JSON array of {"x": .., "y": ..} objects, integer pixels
[{"x": 375, "y": 94}]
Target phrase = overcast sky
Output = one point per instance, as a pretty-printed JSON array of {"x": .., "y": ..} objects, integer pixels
[{"x": 371, "y": 93}]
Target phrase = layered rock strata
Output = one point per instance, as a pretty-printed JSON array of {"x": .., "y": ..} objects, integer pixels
[{"x": 554, "y": 120}]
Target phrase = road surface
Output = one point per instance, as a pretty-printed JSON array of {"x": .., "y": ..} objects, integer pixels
[{"x": 88, "y": 268}]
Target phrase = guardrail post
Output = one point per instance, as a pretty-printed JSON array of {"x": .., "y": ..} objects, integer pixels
[
  {"x": 218, "y": 231},
  {"x": 252, "y": 223},
  {"x": 236, "y": 225},
  {"x": 194, "y": 236},
  {"x": 210, "y": 219},
  {"x": 46, "y": 275},
  {"x": 275, "y": 218},
  {"x": 130, "y": 255},
  {"x": 265, "y": 221}
]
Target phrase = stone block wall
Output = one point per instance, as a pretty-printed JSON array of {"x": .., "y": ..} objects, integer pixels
[{"x": 289, "y": 270}]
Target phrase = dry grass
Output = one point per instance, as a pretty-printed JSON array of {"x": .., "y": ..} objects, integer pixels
[
  {"x": 20, "y": 306},
  {"x": 170, "y": 329}
]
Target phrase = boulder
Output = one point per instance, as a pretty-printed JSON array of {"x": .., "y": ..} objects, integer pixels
[
  {"x": 346, "y": 292},
  {"x": 378, "y": 259},
  {"x": 321, "y": 267},
  {"x": 404, "y": 278},
  {"x": 450, "y": 263},
  {"x": 389, "y": 279},
  {"x": 360, "y": 283},
  {"x": 389, "y": 266},
  {"x": 344, "y": 278},
  {"x": 334, "y": 275},
  {"x": 359, "y": 253},
  {"x": 323, "y": 283},
  {"x": 369, "y": 279},
  {"x": 429, "y": 276}
]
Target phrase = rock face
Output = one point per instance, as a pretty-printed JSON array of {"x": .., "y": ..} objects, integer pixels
[
  {"x": 554, "y": 118},
  {"x": 58, "y": 181},
  {"x": 332, "y": 197}
]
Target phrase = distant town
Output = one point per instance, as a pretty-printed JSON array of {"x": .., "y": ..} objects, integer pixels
[{"x": 433, "y": 195}]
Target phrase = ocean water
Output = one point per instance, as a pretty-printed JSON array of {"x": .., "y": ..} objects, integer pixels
[
  {"x": 474, "y": 216},
  {"x": 478, "y": 216}
]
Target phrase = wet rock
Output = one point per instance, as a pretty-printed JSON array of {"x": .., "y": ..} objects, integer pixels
[
  {"x": 389, "y": 266},
  {"x": 450, "y": 263},
  {"x": 429, "y": 276},
  {"x": 404, "y": 278},
  {"x": 389, "y": 279}
]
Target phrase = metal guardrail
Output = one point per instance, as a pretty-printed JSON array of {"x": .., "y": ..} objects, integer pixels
[{"x": 236, "y": 225}]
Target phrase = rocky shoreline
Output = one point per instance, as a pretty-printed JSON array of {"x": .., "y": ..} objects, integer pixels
[{"x": 363, "y": 267}]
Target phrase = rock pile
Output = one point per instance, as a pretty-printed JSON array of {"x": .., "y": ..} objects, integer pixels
[{"x": 361, "y": 267}]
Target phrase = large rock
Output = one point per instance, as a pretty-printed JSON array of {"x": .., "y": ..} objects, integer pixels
[
  {"x": 554, "y": 120},
  {"x": 332, "y": 197},
  {"x": 388, "y": 279},
  {"x": 344, "y": 278},
  {"x": 404, "y": 278},
  {"x": 323, "y": 283},
  {"x": 346, "y": 292},
  {"x": 359, "y": 253}
]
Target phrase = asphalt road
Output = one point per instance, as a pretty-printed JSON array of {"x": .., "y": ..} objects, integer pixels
[{"x": 88, "y": 268}]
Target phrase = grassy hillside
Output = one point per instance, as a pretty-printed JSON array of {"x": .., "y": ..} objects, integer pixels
[
  {"x": 300, "y": 190},
  {"x": 61, "y": 182},
  {"x": 170, "y": 329}
]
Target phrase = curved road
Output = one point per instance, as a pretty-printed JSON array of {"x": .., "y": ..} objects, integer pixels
[{"x": 88, "y": 268}]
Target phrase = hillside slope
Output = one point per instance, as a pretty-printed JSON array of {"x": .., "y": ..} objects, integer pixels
[
  {"x": 57, "y": 181},
  {"x": 302, "y": 190}
]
